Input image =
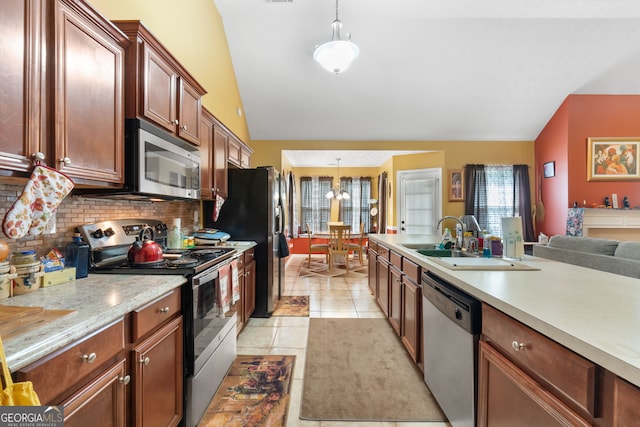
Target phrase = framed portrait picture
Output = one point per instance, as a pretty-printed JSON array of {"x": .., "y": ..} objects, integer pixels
[
  {"x": 549, "y": 169},
  {"x": 613, "y": 159},
  {"x": 455, "y": 185}
]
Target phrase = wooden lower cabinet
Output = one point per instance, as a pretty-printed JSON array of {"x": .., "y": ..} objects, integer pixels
[
  {"x": 157, "y": 371},
  {"x": 102, "y": 402},
  {"x": 509, "y": 397},
  {"x": 411, "y": 334},
  {"x": 395, "y": 299},
  {"x": 382, "y": 275},
  {"x": 372, "y": 269}
]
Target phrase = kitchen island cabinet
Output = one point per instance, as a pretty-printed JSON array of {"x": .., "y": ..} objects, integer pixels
[
  {"x": 68, "y": 116},
  {"x": 411, "y": 323},
  {"x": 395, "y": 292},
  {"x": 559, "y": 345},
  {"x": 382, "y": 278},
  {"x": 158, "y": 87},
  {"x": 521, "y": 371}
]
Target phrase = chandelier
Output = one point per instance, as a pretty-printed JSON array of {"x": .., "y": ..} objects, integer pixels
[
  {"x": 337, "y": 55},
  {"x": 336, "y": 192}
]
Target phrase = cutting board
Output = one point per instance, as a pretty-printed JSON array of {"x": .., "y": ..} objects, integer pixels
[{"x": 16, "y": 320}]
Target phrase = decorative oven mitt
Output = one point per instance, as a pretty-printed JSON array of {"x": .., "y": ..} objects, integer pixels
[{"x": 32, "y": 211}]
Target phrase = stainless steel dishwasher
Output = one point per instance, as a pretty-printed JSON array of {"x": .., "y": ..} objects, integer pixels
[{"x": 451, "y": 324}]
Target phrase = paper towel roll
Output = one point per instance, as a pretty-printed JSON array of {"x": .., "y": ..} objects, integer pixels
[{"x": 512, "y": 241}]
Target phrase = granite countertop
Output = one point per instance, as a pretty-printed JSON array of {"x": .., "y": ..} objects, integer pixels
[
  {"x": 97, "y": 300},
  {"x": 594, "y": 313}
]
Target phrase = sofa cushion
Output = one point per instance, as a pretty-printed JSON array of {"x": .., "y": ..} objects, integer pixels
[
  {"x": 593, "y": 245},
  {"x": 628, "y": 250}
]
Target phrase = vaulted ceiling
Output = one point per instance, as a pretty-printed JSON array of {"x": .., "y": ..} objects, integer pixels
[{"x": 428, "y": 69}]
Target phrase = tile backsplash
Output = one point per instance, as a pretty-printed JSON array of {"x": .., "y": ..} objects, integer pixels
[{"x": 79, "y": 210}]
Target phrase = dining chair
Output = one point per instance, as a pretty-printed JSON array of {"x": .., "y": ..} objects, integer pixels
[
  {"x": 316, "y": 248},
  {"x": 339, "y": 237},
  {"x": 358, "y": 247}
]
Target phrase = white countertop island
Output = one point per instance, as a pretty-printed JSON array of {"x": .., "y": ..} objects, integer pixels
[{"x": 593, "y": 313}]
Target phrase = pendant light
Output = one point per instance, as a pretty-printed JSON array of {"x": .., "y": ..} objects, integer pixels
[
  {"x": 337, "y": 55},
  {"x": 337, "y": 192}
]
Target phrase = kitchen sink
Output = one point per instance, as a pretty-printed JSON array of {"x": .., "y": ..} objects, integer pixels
[
  {"x": 433, "y": 251},
  {"x": 480, "y": 263}
]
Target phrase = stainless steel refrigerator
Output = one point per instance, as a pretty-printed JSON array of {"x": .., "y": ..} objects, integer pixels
[{"x": 253, "y": 211}]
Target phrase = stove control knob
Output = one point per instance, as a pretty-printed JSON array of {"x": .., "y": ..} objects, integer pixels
[
  {"x": 161, "y": 227},
  {"x": 109, "y": 232},
  {"x": 98, "y": 234}
]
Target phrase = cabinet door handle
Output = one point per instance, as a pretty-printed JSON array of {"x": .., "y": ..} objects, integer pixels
[
  {"x": 184, "y": 127},
  {"x": 144, "y": 360},
  {"x": 124, "y": 380},
  {"x": 65, "y": 161},
  {"x": 164, "y": 310},
  {"x": 517, "y": 346},
  {"x": 89, "y": 358},
  {"x": 38, "y": 157}
]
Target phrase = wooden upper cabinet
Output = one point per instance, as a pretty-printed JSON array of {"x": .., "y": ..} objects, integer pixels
[
  {"x": 158, "y": 87},
  {"x": 190, "y": 104},
  {"x": 69, "y": 108},
  {"x": 87, "y": 68},
  {"x": 213, "y": 157},
  {"x": 21, "y": 84},
  {"x": 239, "y": 154},
  {"x": 159, "y": 92}
]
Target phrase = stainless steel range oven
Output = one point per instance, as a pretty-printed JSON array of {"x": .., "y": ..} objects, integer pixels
[{"x": 209, "y": 335}]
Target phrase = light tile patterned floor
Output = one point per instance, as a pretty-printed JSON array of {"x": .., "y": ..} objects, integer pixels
[{"x": 328, "y": 297}]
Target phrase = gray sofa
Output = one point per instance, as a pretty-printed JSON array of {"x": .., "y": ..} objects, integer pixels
[{"x": 591, "y": 252}]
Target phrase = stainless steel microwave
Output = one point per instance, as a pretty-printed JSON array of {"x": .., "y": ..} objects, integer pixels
[{"x": 159, "y": 164}]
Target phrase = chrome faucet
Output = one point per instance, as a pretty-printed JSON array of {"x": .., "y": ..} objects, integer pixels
[{"x": 459, "y": 236}]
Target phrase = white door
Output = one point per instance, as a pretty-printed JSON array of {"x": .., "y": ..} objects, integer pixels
[{"x": 419, "y": 204}]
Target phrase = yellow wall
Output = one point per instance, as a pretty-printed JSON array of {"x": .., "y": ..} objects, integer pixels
[
  {"x": 193, "y": 32},
  {"x": 443, "y": 154},
  {"x": 332, "y": 171}
]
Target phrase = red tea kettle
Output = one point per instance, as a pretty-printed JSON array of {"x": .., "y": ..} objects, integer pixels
[{"x": 144, "y": 250}]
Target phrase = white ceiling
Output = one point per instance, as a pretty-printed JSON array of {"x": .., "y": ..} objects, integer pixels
[{"x": 428, "y": 69}]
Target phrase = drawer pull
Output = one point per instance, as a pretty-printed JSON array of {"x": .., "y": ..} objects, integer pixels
[
  {"x": 89, "y": 358},
  {"x": 125, "y": 380},
  {"x": 164, "y": 310},
  {"x": 517, "y": 346},
  {"x": 145, "y": 361}
]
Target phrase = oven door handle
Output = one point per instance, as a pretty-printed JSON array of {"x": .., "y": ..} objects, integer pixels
[{"x": 205, "y": 277}]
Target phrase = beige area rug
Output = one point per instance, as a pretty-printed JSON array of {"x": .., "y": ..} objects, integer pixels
[
  {"x": 254, "y": 393},
  {"x": 292, "y": 305},
  {"x": 319, "y": 268},
  {"x": 357, "y": 370}
]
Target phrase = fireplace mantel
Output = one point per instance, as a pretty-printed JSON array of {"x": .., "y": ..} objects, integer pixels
[{"x": 618, "y": 224}]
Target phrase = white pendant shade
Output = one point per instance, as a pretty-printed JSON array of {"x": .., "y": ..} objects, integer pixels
[{"x": 336, "y": 56}]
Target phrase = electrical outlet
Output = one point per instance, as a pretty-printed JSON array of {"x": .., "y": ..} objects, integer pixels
[{"x": 51, "y": 226}]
